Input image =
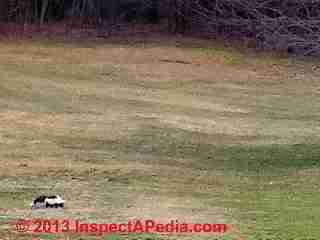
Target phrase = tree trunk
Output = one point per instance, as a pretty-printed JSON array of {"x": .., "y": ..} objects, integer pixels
[{"x": 44, "y": 8}]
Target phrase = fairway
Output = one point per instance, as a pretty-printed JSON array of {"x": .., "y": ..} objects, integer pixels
[{"x": 163, "y": 129}]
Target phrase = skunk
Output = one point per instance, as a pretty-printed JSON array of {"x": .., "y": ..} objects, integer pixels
[{"x": 48, "y": 202}]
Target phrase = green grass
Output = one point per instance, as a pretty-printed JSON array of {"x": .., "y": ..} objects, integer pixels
[{"x": 175, "y": 144}]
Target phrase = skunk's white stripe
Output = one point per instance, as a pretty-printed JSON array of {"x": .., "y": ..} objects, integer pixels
[{"x": 57, "y": 200}]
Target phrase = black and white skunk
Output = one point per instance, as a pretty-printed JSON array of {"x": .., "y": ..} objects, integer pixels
[{"x": 48, "y": 202}]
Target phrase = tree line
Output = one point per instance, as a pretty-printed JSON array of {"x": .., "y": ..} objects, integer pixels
[
  {"x": 44, "y": 11},
  {"x": 291, "y": 25}
]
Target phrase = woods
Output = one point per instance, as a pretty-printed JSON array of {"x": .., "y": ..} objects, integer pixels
[
  {"x": 288, "y": 25},
  {"x": 172, "y": 111}
]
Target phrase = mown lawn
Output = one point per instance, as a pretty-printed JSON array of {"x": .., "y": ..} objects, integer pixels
[{"x": 161, "y": 129}]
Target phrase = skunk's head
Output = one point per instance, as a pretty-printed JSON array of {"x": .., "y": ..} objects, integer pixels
[{"x": 39, "y": 202}]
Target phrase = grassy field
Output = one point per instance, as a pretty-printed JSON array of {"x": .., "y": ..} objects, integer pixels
[{"x": 161, "y": 129}]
